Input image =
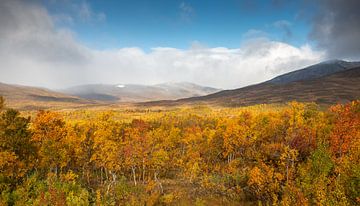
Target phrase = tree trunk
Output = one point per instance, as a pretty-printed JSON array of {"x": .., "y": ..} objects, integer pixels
[
  {"x": 134, "y": 175},
  {"x": 159, "y": 183},
  {"x": 101, "y": 175},
  {"x": 287, "y": 172},
  {"x": 143, "y": 170}
]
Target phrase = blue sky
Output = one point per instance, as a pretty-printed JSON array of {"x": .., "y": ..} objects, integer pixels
[
  {"x": 224, "y": 44},
  {"x": 177, "y": 23}
]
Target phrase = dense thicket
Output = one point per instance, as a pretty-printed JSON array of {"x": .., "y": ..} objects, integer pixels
[{"x": 293, "y": 155}]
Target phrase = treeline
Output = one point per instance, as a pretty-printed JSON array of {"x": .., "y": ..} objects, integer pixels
[{"x": 295, "y": 155}]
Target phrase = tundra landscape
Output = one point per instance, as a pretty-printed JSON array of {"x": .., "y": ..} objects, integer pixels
[{"x": 179, "y": 102}]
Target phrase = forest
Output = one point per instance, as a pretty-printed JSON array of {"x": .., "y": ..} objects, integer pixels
[{"x": 293, "y": 154}]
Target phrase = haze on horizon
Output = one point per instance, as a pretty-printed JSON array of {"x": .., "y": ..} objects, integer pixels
[{"x": 223, "y": 44}]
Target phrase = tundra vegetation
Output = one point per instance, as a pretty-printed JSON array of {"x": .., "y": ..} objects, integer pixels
[{"x": 298, "y": 154}]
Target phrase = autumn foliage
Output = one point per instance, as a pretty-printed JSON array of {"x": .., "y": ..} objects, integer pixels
[{"x": 293, "y": 155}]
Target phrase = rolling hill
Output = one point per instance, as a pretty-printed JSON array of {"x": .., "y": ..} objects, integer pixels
[
  {"x": 138, "y": 93},
  {"x": 33, "y": 98},
  {"x": 307, "y": 85},
  {"x": 326, "y": 83}
]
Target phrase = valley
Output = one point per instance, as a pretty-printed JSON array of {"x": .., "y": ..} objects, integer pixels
[
  {"x": 340, "y": 83},
  {"x": 179, "y": 103}
]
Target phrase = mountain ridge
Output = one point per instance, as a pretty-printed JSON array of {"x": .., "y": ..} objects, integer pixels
[
  {"x": 138, "y": 92},
  {"x": 337, "y": 85},
  {"x": 38, "y": 98},
  {"x": 324, "y": 83},
  {"x": 315, "y": 71}
]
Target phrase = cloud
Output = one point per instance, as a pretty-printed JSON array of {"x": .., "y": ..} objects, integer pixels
[
  {"x": 336, "y": 28},
  {"x": 285, "y": 26},
  {"x": 33, "y": 51},
  {"x": 63, "y": 19},
  {"x": 254, "y": 33},
  {"x": 87, "y": 14},
  {"x": 71, "y": 11},
  {"x": 27, "y": 31},
  {"x": 186, "y": 11}
]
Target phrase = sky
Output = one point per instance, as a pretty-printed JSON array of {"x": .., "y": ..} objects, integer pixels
[{"x": 224, "y": 44}]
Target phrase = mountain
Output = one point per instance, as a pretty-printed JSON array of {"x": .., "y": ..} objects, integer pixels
[
  {"x": 29, "y": 98},
  {"x": 325, "y": 83},
  {"x": 96, "y": 95},
  {"x": 315, "y": 71},
  {"x": 138, "y": 93},
  {"x": 312, "y": 84}
]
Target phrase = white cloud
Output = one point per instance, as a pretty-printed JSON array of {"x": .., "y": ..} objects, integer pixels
[{"x": 34, "y": 52}]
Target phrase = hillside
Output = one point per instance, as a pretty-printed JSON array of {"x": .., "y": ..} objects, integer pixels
[
  {"x": 338, "y": 87},
  {"x": 138, "y": 93},
  {"x": 315, "y": 71},
  {"x": 30, "y": 98},
  {"x": 325, "y": 83}
]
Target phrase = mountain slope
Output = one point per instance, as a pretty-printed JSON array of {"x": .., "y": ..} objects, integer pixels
[
  {"x": 24, "y": 97},
  {"x": 138, "y": 93},
  {"x": 315, "y": 71},
  {"x": 342, "y": 86}
]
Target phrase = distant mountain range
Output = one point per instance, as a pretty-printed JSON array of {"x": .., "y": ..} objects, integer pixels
[
  {"x": 325, "y": 83},
  {"x": 25, "y": 97},
  {"x": 139, "y": 93}
]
